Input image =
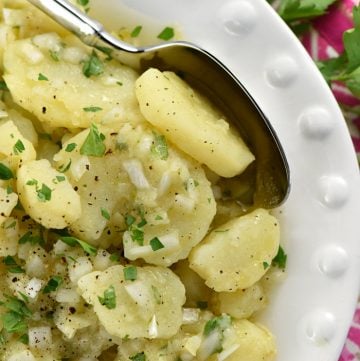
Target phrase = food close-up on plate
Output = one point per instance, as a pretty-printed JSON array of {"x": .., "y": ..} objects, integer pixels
[{"x": 189, "y": 207}]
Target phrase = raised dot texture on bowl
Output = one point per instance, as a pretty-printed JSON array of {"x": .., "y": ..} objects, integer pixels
[
  {"x": 334, "y": 191},
  {"x": 316, "y": 123},
  {"x": 320, "y": 327},
  {"x": 333, "y": 261},
  {"x": 282, "y": 71}
]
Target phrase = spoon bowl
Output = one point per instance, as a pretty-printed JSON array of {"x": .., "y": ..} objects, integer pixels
[{"x": 268, "y": 176}]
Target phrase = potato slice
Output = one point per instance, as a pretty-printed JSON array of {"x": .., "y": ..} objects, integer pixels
[
  {"x": 190, "y": 122},
  {"x": 59, "y": 94},
  {"x": 46, "y": 195},
  {"x": 150, "y": 306},
  {"x": 237, "y": 254}
]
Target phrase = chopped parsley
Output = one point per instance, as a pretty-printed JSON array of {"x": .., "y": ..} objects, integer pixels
[
  {"x": 156, "y": 294},
  {"x": 5, "y": 172},
  {"x": 94, "y": 143},
  {"x": 115, "y": 257},
  {"x": 109, "y": 299},
  {"x": 105, "y": 50},
  {"x": 53, "y": 284},
  {"x": 70, "y": 147},
  {"x": 166, "y": 34},
  {"x": 280, "y": 259},
  {"x": 136, "y": 230},
  {"x": 3, "y": 85},
  {"x": 136, "y": 31},
  {"x": 65, "y": 167},
  {"x": 24, "y": 339},
  {"x": 9, "y": 190},
  {"x": 42, "y": 77},
  {"x": 93, "y": 66},
  {"x": 12, "y": 266},
  {"x": 54, "y": 55},
  {"x": 18, "y": 147},
  {"x": 105, "y": 214},
  {"x": 28, "y": 237},
  {"x": 58, "y": 179},
  {"x": 266, "y": 265},
  {"x": 44, "y": 193},
  {"x": 83, "y": 2},
  {"x": 73, "y": 242},
  {"x": 159, "y": 147},
  {"x": 129, "y": 220},
  {"x": 138, "y": 357},
  {"x": 156, "y": 244},
  {"x": 92, "y": 109},
  {"x": 130, "y": 273}
]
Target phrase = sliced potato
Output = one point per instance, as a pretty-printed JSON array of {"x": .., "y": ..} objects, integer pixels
[
  {"x": 150, "y": 306},
  {"x": 237, "y": 254},
  {"x": 190, "y": 122},
  {"x": 47, "y": 196},
  {"x": 58, "y": 92}
]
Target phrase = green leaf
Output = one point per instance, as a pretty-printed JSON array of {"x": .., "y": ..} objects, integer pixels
[
  {"x": 220, "y": 323},
  {"x": 3, "y": 85},
  {"x": 24, "y": 339},
  {"x": 70, "y": 147},
  {"x": 138, "y": 357},
  {"x": 73, "y": 242},
  {"x": 54, "y": 55},
  {"x": 13, "y": 322},
  {"x": 5, "y": 172},
  {"x": 94, "y": 143},
  {"x": 29, "y": 238},
  {"x": 105, "y": 50},
  {"x": 105, "y": 214},
  {"x": 83, "y": 2},
  {"x": 333, "y": 69},
  {"x": 166, "y": 34},
  {"x": 18, "y": 147},
  {"x": 93, "y": 66},
  {"x": 109, "y": 299},
  {"x": 136, "y": 31},
  {"x": 44, "y": 194},
  {"x": 92, "y": 109},
  {"x": 65, "y": 167},
  {"x": 53, "y": 284},
  {"x": 159, "y": 147},
  {"x": 156, "y": 244},
  {"x": 266, "y": 265},
  {"x": 42, "y": 77},
  {"x": 13, "y": 267},
  {"x": 130, "y": 273},
  {"x": 351, "y": 40},
  {"x": 129, "y": 220},
  {"x": 280, "y": 259}
]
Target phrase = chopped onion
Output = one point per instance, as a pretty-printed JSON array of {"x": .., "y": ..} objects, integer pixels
[
  {"x": 35, "y": 266},
  {"x": 165, "y": 183},
  {"x": 48, "y": 41},
  {"x": 81, "y": 267},
  {"x": 190, "y": 315},
  {"x": 209, "y": 345},
  {"x": 227, "y": 352},
  {"x": 40, "y": 337},
  {"x": 74, "y": 55},
  {"x": 67, "y": 295},
  {"x": 14, "y": 17},
  {"x": 192, "y": 344},
  {"x": 32, "y": 53},
  {"x": 139, "y": 292},
  {"x": 79, "y": 167},
  {"x": 133, "y": 253},
  {"x": 102, "y": 260},
  {"x": 170, "y": 241},
  {"x": 184, "y": 202},
  {"x": 3, "y": 114},
  {"x": 60, "y": 247},
  {"x": 153, "y": 328},
  {"x": 25, "y": 355},
  {"x": 136, "y": 174},
  {"x": 33, "y": 287}
]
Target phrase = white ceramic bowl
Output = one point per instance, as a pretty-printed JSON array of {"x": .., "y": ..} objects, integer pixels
[{"x": 311, "y": 311}]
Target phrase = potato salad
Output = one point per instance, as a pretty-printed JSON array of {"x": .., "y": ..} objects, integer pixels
[{"x": 126, "y": 230}]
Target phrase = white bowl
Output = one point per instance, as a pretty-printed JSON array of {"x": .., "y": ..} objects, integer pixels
[{"x": 311, "y": 311}]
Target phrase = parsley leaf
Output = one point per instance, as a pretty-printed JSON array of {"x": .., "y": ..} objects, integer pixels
[
  {"x": 13, "y": 267},
  {"x": 3, "y": 85},
  {"x": 105, "y": 214},
  {"x": 5, "y": 172},
  {"x": 44, "y": 194},
  {"x": 18, "y": 147},
  {"x": 130, "y": 273},
  {"x": 93, "y": 66},
  {"x": 53, "y": 284},
  {"x": 65, "y": 167},
  {"x": 159, "y": 147},
  {"x": 156, "y": 244},
  {"x": 138, "y": 357},
  {"x": 166, "y": 34},
  {"x": 220, "y": 323},
  {"x": 92, "y": 109},
  {"x": 73, "y": 242},
  {"x": 109, "y": 299},
  {"x": 94, "y": 143},
  {"x": 29, "y": 238},
  {"x": 136, "y": 31},
  {"x": 83, "y": 2},
  {"x": 280, "y": 259},
  {"x": 70, "y": 147},
  {"x": 42, "y": 77}
]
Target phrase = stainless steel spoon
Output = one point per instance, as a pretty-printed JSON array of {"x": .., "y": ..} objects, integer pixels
[{"x": 269, "y": 175}]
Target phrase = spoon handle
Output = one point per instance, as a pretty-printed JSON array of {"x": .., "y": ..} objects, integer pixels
[{"x": 88, "y": 30}]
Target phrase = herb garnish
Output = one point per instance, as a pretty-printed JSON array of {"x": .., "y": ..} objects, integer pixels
[
  {"x": 65, "y": 167},
  {"x": 92, "y": 109},
  {"x": 42, "y": 77},
  {"x": 280, "y": 259},
  {"x": 130, "y": 273},
  {"x": 70, "y": 147},
  {"x": 44, "y": 194},
  {"x": 13, "y": 267},
  {"x": 94, "y": 143},
  {"x": 159, "y": 147},
  {"x": 53, "y": 284},
  {"x": 18, "y": 147},
  {"x": 3, "y": 85},
  {"x": 156, "y": 244},
  {"x": 109, "y": 299},
  {"x": 5, "y": 172},
  {"x": 138, "y": 357},
  {"x": 73, "y": 242},
  {"x": 166, "y": 34},
  {"x": 93, "y": 66},
  {"x": 136, "y": 31},
  {"x": 105, "y": 214}
]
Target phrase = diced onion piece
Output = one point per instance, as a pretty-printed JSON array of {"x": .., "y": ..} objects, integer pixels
[
  {"x": 49, "y": 41},
  {"x": 60, "y": 247},
  {"x": 14, "y": 17},
  {"x": 134, "y": 169},
  {"x": 80, "y": 268},
  {"x": 74, "y": 55},
  {"x": 227, "y": 352},
  {"x": 40, "y": 337},
  {"x": 33, "y": 287},
  {"x": 190, "y": 315},
  {"x": 192, "y": 344},
  {"x": 185, "y": 202},
  {"x": 35, "y": 266},
  {"x": 32, "y": 54},
  {"x": 170, "y": 241},
  {"x": 67, "y": 295},
  {"x": 133, "y": 253},
  {"x": 102, "y": 260},
  {"x": 153, "y": 328},
  {"x": 3, "y": 114},
  {"x": 139, "y": 292},
  {"x": 79, "y": 167},
  {"x": 25, "y": 355},
  {"x": 210, "y": 344},
  {"x": 165, "y": 183}
]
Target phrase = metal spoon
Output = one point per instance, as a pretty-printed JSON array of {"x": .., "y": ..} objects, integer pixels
[{"x": 269, "y": 175}]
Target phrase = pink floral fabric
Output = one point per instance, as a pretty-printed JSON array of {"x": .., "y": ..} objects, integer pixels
[{"x": 324, "y": 41}]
